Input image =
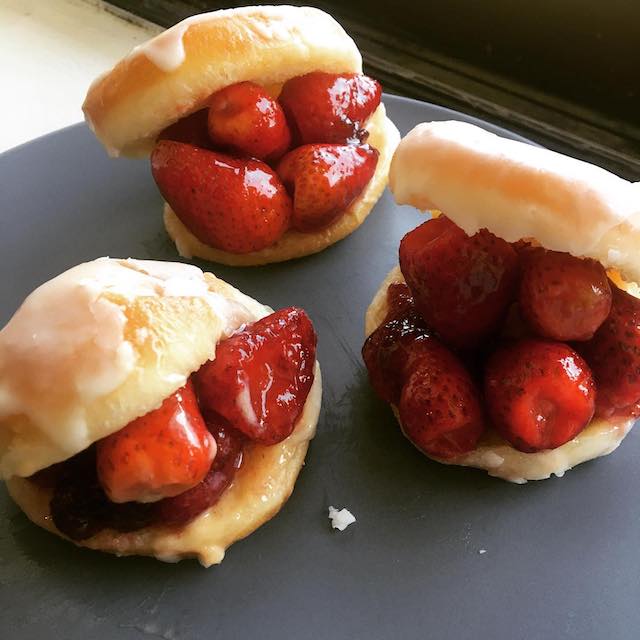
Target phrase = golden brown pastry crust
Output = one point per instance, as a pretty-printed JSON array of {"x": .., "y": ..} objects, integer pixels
[
  {"x": 129, "y": 106},
  {"x": 495, "y": 455},
  {"x": 383, "y": 136}
]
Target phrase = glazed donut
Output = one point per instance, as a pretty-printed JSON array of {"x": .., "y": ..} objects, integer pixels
[
  {"x": 119, "y": 337},
  {"x": 175, "y": 74},
  {"x": 517, "y": 191}
]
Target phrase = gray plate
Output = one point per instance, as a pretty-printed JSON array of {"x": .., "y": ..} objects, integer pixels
[{"x": 561, "y": 556}]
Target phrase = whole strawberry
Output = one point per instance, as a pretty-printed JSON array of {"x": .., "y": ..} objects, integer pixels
[
  {"x": 260, "y": 378},
  {"x": 539, "y": 394},
  {"x": 237, "y": 205},
  {"x": 323, "y": 180},
  {"x": 563, "y": 297},
  {"x": 160, "y": 454},
  {"x": 439, "y": 407},
  {"x": 614, "y": 356},
  {"x": 245, "y": 119},
  {"x": 329, "y": 107},
  {"x": 462, "y": 285}
]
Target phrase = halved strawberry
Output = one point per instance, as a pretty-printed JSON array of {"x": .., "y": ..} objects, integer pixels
[
  {"x": 160, "y": 454},
  {"x": 246, "y": 119},
  {"x": 324, "y": 179},
  {"x": 540, "y": 394},
  {"x": 230, "y": 204},
  {"x": 329, "y": 107},
  {"x": 261, "y": 376}
]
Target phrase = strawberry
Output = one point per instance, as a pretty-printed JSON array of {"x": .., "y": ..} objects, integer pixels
[
  {"x": 540, "y": 394},
  {"x": 261, "y": 376},
  {"x": 230, "y": 204},
  {"x": 439, "y": 407},
  {"x": 614, "y": 356},
  {"x": 329, "y": 107},
  {"x": 324, "y": 180},
  {"x": 181, "y": 509},
  {"x": 563, "y": 297},
  {"x": 162, "y": 453},
  {"x": 462, "y": 285},
  {"x": 245, "y": 119},
  {"x": 191, "y": 129},
  {"x": 391, "y": 349}
]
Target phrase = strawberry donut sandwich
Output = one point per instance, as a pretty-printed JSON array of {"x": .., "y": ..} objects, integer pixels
[
  {"x": 266, "y": 140},
  {"x": 148, "y": 408},
  {"x": 508, "y": 338}
]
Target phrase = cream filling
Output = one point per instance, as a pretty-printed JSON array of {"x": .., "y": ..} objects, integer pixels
[{"x": 496, "y": 456}]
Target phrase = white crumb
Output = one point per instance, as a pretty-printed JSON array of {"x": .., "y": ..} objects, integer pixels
[
  {"x": 341, "y": 519},
  {"x": 481, "y": 551}
]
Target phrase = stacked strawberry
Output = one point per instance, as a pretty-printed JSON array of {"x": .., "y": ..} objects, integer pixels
[
  {"x": 249, "y": 167},
  {"x": 171, "y": 464},
  {"x": 533, "y": 342}
]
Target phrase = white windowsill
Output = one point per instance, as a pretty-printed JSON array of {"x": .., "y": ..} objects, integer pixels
[{"x": 52, "y": 50}]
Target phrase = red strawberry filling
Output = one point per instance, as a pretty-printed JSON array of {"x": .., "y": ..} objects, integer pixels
[
  {"x": 487, "y": 335},
  {"x": 539, "y": 394},
  {"x": 234, "y": 205},
  {"x": 171, "y": 464},
  {"x": 213, "y": 166},
  {"x": 327, "y": 107}
]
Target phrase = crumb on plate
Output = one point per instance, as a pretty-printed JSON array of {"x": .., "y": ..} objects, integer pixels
[{"x": 341, "y": 519}]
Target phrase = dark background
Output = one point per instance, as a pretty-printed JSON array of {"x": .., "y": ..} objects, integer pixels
[{"x": 562, "y": 72}]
